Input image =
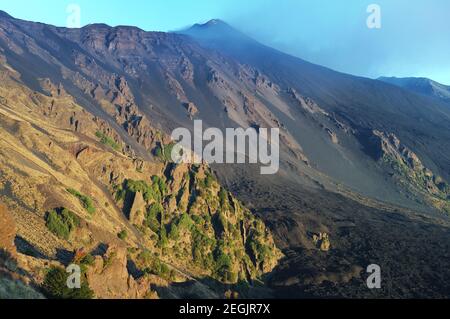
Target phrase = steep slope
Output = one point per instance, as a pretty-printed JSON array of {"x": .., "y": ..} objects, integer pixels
[
  {"x": 422, "y": 86},
  {"x": 422, "y": 123},
  {"x": 92, "y": 121},
  {"x": 78, "y": 195},
  {"x": 137, "y": 81}
]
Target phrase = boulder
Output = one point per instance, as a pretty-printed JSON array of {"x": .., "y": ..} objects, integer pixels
[
  {"x": 191, "y": 108},
  {"x": 322, "y": 241},
  {"x": 108, "y": 277}
]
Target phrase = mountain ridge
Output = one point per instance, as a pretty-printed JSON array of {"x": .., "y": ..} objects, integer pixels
[{"x": 421, "y": 85}]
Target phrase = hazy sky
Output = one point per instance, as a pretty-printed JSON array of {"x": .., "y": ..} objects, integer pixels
[{"x": 414, "y": 39}]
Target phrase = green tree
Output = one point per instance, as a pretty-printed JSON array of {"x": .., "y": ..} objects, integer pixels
[
  {"x": 62, "y": 223},
  {"x": 55, "y": 286},
  {"x": 86, "y": 201}
]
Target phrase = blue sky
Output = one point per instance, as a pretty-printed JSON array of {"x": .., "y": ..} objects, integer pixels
[{"x": 414, "y": 39}]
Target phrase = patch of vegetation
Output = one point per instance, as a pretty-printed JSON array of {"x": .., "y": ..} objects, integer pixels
[
  {"x": 223, "y": 197},
  {"x": 202, "y": 246},
  {"x": 151, "y": 192},
  {"x": 62, "y": 222},
  {"x": 158, "y": 152},
  {"x": 107, "y": 261},
  {"x": 164, "y": 152},
  {"x": 174, "y": 233},
  {"x": 55, "y": 286},
  {"x": 223, "y": 264},
  {"x": 207, "y": 182},
  {"x": 123, "y": 235},
  {"x": 418, "y": 178},
  {"x": 153, "y": 217},
  {"x": 86, "y": 201},
  {"x": 150, "y": 264},
  {"x": 159, "y": 185},
  {"x": 106, "y": 140},
  {"x": 185, "y": 221},
  {"x": 87, "y": 260},
  {"x": 163, "y": 240},
  {"x": 259, "y": 251},
  {"x": 119, "y": 193}
]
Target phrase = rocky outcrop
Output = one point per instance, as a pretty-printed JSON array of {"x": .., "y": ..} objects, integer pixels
[
  {"x": 200, "y": 226},
  {"x": 322, "y": 241},
  {"x": 113, "y": 93},
  {"x": 408, "y": 170},
  {"x": 191, "y": 109},
  {"x": 187, "y": 70},
  {"x": 175, "y": 87},
  {"x": 332, "y": 136},
  {"x": 254, "y": 77},
  {"x": 305, "y": 103},
  {"x": 137, "y": 210},
  {"x": 108, "y": 277}
]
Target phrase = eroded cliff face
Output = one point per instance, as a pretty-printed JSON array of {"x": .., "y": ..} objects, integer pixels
[
  {"x": 407, "y": 169},
  {"x": 79, "y": 194}
]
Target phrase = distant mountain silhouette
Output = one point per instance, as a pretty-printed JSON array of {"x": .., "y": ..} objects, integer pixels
[{"x": 422, "y": 86}]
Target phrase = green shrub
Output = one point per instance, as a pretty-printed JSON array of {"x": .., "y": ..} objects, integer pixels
[
  {"x": 153, "y": 265},
  {"x": 57, "y": 226},
  {"x": 105, "y": 140},
  {"x": 88, "y": 260},
  {"x": 258, "y": 249},
  {"x": 209, "y": 180},
  {"x": 150, "y": 192},
  {"x": 163, "y": 240},
  {"x": 119, "y": 193},
  {"x": 223, "y": 197},
  {"x": 123, "y": 235},
  {"x": 86, "y": 201},
  {"x": 202, "y": 245},
  {"x": 174, "y": 233},
  {"x": 63, "y": 223},
  {"x": 153, "y": 218},
  {"x": 136, "y": 186},
  {"x": 158, "y": 152},
  {"x": 55, "y": 286},
  {"x": 159, "y": 185},
  {"x": 108, "y": 260},
  {"x": 145, "y": 257},
  {"x": 185, "y": 221},
  {"x": 164, "y": 152},
  {"x": 223, "y": 263}
]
